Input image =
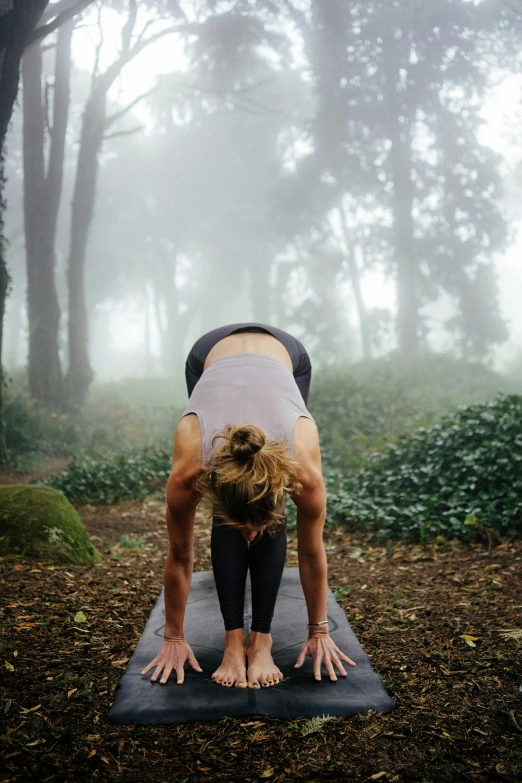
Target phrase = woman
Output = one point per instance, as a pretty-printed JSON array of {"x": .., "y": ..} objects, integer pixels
[{"x": 246, "y": 439}]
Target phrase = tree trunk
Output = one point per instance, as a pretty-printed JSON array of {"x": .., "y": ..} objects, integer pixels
[
  {"x": 4, "y": 285},
  {"x": 174, "y": 341},
  {"x": 399, "y": 129},
  {"x": 79, "y": 375},
  {"x": 355, "y": 279},
  {"x": 15, "y": 27},
  {"x": 42, "y": 194},
  {"x": 95, "y": 122},
  {"x": 16, "y": 329}
]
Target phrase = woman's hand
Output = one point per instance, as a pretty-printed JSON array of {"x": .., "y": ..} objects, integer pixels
[
  {"x": 323, "y": 649},
  {"x": 172, "y": 655}
]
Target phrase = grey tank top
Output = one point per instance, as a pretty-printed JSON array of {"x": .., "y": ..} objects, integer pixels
[{"x": 246, "y": 388}]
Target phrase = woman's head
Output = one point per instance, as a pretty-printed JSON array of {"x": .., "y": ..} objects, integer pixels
[{"x": 249, "y": 477}]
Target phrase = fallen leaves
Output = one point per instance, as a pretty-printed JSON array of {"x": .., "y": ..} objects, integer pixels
[
  {"x": 428, "y": 670},
  {"x": 470, "y": 640},
  {"x": 9, "y": 666},
  {"x": 121, "y": 662}
]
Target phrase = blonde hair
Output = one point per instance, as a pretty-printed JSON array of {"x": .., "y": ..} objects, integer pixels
[{"x": 248, "y": 479}]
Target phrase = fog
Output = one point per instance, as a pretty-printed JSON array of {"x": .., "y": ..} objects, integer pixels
[{"x": 350, "y": 172}]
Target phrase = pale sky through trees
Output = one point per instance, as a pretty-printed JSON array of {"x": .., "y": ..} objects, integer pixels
[
  {"x": 501, "y": 112},
  {"x": 186, "y": 187}
]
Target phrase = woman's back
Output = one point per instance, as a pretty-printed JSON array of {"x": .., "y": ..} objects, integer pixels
[{"x": 246, "y": 388}]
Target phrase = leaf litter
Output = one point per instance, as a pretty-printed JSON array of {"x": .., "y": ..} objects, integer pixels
[{"x": 457, "y": 706}]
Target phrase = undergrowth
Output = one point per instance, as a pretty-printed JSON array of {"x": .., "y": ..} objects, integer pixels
[
  {"x": 396, "y": 460},
  {"x": 459, "y": 478},
  {"x": 112, "y": 479}
]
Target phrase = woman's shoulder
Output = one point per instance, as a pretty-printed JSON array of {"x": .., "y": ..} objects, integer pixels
[{"x": 187, "y": 445}]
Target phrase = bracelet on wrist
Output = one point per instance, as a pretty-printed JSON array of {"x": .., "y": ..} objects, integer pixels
[{"x": 323, "y": 622}]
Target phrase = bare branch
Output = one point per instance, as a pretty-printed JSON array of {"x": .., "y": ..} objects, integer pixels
[
  {"x": 98, "y": 48},
  {"x": 126, "y": 56},
  {"x": 216, "y": 91},
  {"x": 146, "y": 27},
  {"x": 46, "y": 109},
  {"x": 128, "y": 27},
  {"x": 69, "y": 13},
  {"x": 137, "y": 129},
  {"x": 122, "y": 112},
  {"x": 53, "y": 9}
]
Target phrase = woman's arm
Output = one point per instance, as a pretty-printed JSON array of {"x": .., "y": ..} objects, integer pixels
[
  {"x": 182, "y": 500},
  {"x": 311, "y": 515}
]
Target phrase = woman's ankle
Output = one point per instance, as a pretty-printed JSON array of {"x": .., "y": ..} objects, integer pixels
[
  {"x": 235, "y": 638},
  {"x": 260, "y": 639}
]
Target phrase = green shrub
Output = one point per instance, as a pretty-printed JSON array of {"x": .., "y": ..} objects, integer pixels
[
  {"x": 106, "y": 427},
  {"x": 359, "y": 409},
  {"x": 110, "y": 480},
  {"x": 33, "y": 434},
  {"x": 454, "y": 478}
]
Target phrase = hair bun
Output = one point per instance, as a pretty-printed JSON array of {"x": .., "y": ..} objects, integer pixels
[{"x": 245, "y": 442}]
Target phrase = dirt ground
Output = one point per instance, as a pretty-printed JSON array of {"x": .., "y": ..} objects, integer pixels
[{"x": 439, "y": 622}]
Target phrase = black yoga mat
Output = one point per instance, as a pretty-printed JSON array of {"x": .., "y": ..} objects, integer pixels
[{"x": 200, "y": 699}]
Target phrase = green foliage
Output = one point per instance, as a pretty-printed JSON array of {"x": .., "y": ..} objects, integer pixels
[
  {"x": 361, "y": 409},
  {"x": 316, "y": 724},
  {"x": 111, "y": 424},
  {"x": 113, "y": 479},
  {"x": 40, "y": 523},
  {"x": 130, "y": 542},
  {"x": 455, "y": 478},
  {"x": 34, "y": 434}
]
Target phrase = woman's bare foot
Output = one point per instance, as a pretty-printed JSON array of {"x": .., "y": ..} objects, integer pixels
[
  {"x": 233, "y": 669},
  {"x": 262, "y": 671}
]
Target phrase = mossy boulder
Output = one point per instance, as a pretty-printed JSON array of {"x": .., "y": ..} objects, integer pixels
[{"x": 40, "y": 523}]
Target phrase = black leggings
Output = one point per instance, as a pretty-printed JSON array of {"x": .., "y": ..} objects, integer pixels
[{"x": 231, "y": 555}]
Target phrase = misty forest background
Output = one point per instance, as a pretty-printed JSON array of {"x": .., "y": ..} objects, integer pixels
[{"x": 282, "y": 161}]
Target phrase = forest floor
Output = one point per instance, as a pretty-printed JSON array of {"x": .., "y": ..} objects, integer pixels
[{"x": 434, "y": 620}]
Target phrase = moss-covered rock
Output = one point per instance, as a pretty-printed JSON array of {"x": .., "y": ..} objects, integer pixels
[{"x": 40, "y": 523}]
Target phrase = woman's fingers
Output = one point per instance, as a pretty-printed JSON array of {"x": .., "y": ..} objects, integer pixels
[
  {"x": 166, "y": 673},
  {"x": 317, "y": 665},
  {"x": 301, "y": 657},
  {"x": 345, "y": 658},
  {"x": 193, "y": 662},
  {"x": 150, "y": 666},
  {"x": 339, "y": 665},
  {"x": 330, "y": 669},
  {"x": 159, "y": 669},
  {"x": 180, "y": 671}
]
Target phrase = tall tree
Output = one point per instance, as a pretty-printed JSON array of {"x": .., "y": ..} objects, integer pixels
[
  {"x": 398, "y": 86},
  {"x": 95, "y": 124},
  {"x": 18, "y": 27},
  {"x": 42, "y": 196}
]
